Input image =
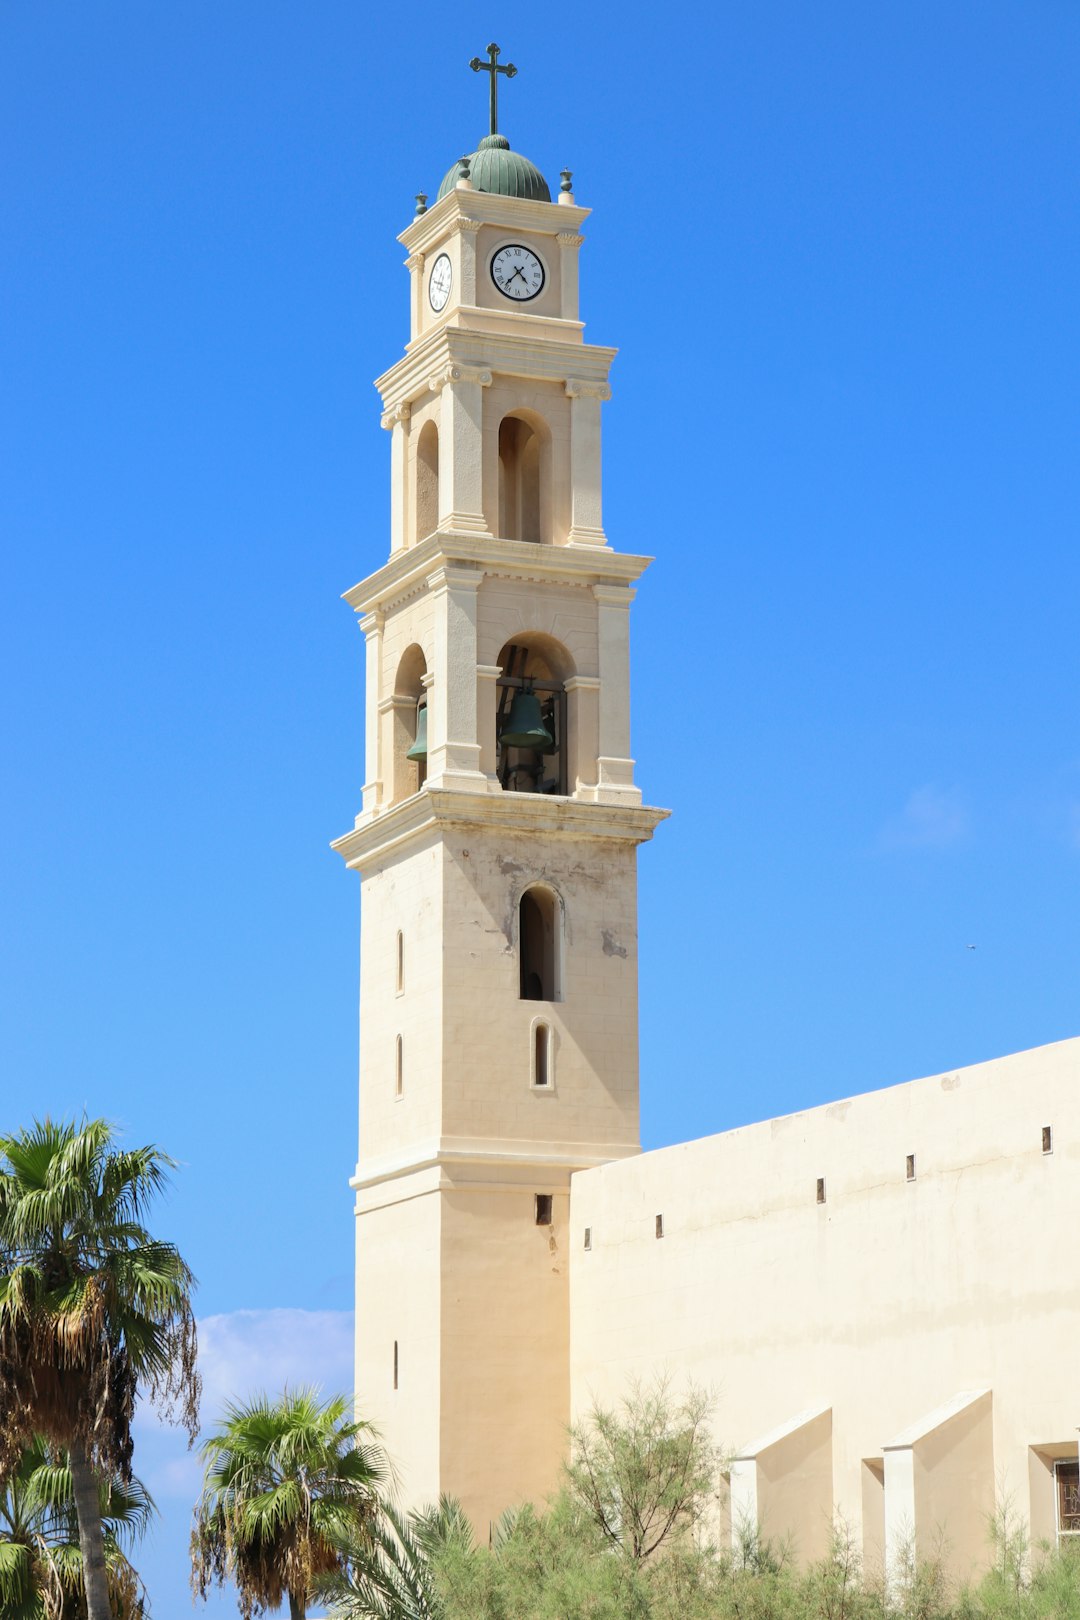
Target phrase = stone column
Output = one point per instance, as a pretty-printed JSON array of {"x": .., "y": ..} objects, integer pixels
[
  {"x": 487, "y": 703},
  {"x": 461, "y": 458},
  {"x": 569, "y": 243},
  {"x": 372, "y": 626},
  {"x": 467, "y": 230},
  {"x": 583, "y": 696},
  {"x": 453, "y": 743},
  {"x": 586, "y": 519},
  {"x": 414, "y": 264},
  {"x": 615, "y": 768},
  {"x": 396, "y": 419}
]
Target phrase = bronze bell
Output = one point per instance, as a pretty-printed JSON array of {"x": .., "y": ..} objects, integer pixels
[
  {"x": 419, "y": 748},
  {"x": 525, "y": 728}
]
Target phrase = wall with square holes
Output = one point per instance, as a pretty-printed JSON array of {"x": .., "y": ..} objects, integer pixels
[{"x": 876, "y": 1257}]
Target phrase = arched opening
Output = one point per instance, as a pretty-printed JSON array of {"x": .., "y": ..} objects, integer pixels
[
  {"x": 531, "y": 729},
  {"x": 410, "y": 725},
  {"x": 427, "y": 481},
  {"x": 522, "y": 456},
  {"x": 541, "y": 1056},
  {"x": 538, "y": 945}
]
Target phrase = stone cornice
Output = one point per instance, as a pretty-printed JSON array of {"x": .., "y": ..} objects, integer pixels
[
  {"x": 409, "y": 570},
  {"x": 427, "y": 1165},
  {"x": 431, "y": 812},
  {"x": 485, "y": 208},
  {"x": 510, "y": 354}
]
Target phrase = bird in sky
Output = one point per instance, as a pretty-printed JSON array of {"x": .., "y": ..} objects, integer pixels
[{"x": 973, "y": 947}]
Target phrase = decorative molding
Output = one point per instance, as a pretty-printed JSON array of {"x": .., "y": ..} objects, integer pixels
[
  {"x": 468, "y": 226},
  {"x": 415, "y": 261},
  {"x": 455, "y": 577},
  {"x": 396, "y": 413},
  {"x": 618, "y": 596},
  {"x": 578, "y": 389},
  {"x": 371, "y": 624},
  {"x": 568, "y": 239},
  {"x": 454, "y": 372}
]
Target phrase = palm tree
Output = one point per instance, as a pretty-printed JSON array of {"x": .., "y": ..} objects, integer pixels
[
  {"x": 388, "y": 1574},
  {"x": 92, "y": 1308},
  {"x": 284, "y": 1481},
  {"x": 40, "y": 1558}
]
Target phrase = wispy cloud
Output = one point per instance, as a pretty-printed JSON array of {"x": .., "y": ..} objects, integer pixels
[
  {"x": 932, "y": 818},
  {"x": 240, "y": 1354}
]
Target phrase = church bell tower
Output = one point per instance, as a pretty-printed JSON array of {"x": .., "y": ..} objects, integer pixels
[{"x": 496, "y": 844}]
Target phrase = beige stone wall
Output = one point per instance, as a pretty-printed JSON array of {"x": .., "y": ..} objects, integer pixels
[{"x": 882, "y": 1303}]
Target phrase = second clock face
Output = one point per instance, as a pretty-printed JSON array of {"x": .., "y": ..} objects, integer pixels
[
  {"x": 442, "y": 276},
  {"x": 517, "y": 272}
]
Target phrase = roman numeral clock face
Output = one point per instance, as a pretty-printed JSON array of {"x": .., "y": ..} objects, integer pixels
[{"x": 517, "y": 272}]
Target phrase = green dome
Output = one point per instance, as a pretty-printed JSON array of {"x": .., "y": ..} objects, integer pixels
[{"x": 493, "y": 167}]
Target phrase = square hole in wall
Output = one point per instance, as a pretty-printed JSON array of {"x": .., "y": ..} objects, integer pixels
[
  {"x": 588, "y": 1237},
  {"x": 543, "y": 1209},
  {"x": 659, "y": 1226},
  {"x": 910, "y": 1167},
  {"x": 821, "y": 1189},
  {"x": 1048, "y": 1139}
]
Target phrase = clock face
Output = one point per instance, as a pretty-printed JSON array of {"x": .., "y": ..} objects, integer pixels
[
  {"x": 517, "y": 272},
  {"x": 439, "y": 282}
]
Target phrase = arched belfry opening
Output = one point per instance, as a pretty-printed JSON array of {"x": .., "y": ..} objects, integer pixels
[
  {"x": 531, "y": 722},
  {"x": 524, "y": 498},
  {"x": 427, "y": 481},
  {"x": 409, "y": 752},
  {"x": 538, "y": 944}
]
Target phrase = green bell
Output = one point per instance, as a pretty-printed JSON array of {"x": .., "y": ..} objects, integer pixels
[
  {"x": 419, "y": 747},
  {"x": 525, "y": 728}
]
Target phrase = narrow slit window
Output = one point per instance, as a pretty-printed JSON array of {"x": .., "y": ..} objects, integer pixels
[
  {"x": 541, "y": 1056},
  {"x": 659, "y": 1226},
  {"x": 588, "y": 1237},
  {"x": 910, "y": 1167},
  {"x": 399, "y": 962},
  {"x": 1048, "y": 1139},
  {"x": 395, "y": 1364},
  {"x": 821, "y": 1189},
  {"x": 543, "y": 1209},
  {"x": 399, "y": 1069}
]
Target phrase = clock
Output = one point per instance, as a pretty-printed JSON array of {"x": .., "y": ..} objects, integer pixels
[
  {"x": 440, "y": 282},
  {"x": 517, "y": 272}
]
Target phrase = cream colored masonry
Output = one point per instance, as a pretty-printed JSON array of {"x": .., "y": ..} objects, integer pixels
[{"x": 903, "y": 1354}]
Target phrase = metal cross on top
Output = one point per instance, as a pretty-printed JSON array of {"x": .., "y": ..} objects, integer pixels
[{"x": 493, "y": 67}]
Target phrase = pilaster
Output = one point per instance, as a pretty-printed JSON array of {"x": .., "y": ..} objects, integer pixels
[
  {"x": 569, "y": 245},
  {"x": 372, "y": 626},
  {"x": 397, "y": 421},
  {"x": 461, "y": 437},
  {"x": 615, "y": 768},
  {"x": 453, "y": 750},
  {"x": 586, "y": 515}
]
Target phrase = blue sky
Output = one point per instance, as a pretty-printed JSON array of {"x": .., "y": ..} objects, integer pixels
[{"x": 837, "y": 247}]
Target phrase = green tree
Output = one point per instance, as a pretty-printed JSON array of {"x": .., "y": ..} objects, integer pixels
[
  {"x": 41, "y": 1574},
  {"x": 388, "y": 1570},
  {"x": 287, "y": 1483},
  {"x": 644, "y": 1471},
  {"x": 91, "y": 1309}
]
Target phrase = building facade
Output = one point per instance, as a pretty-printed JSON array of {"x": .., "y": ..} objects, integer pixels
[{"x": 873, "y": 1290}]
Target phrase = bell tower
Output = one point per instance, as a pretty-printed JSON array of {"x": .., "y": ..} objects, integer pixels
[{"x": 496, "y": 843}]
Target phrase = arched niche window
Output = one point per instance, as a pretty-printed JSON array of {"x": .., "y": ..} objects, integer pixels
[
  {"x": 524, "y": 479},
  {"x": 538, "y": 945},
  {"x": 427, "y": 481},
  {"x": 542, "y": 1065},
  {"x": 409, "y": 725},
  {"x": 531, "y": 716}
]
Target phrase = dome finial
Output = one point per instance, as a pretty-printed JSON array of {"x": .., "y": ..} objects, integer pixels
[{"x": 493, "y": 67}]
